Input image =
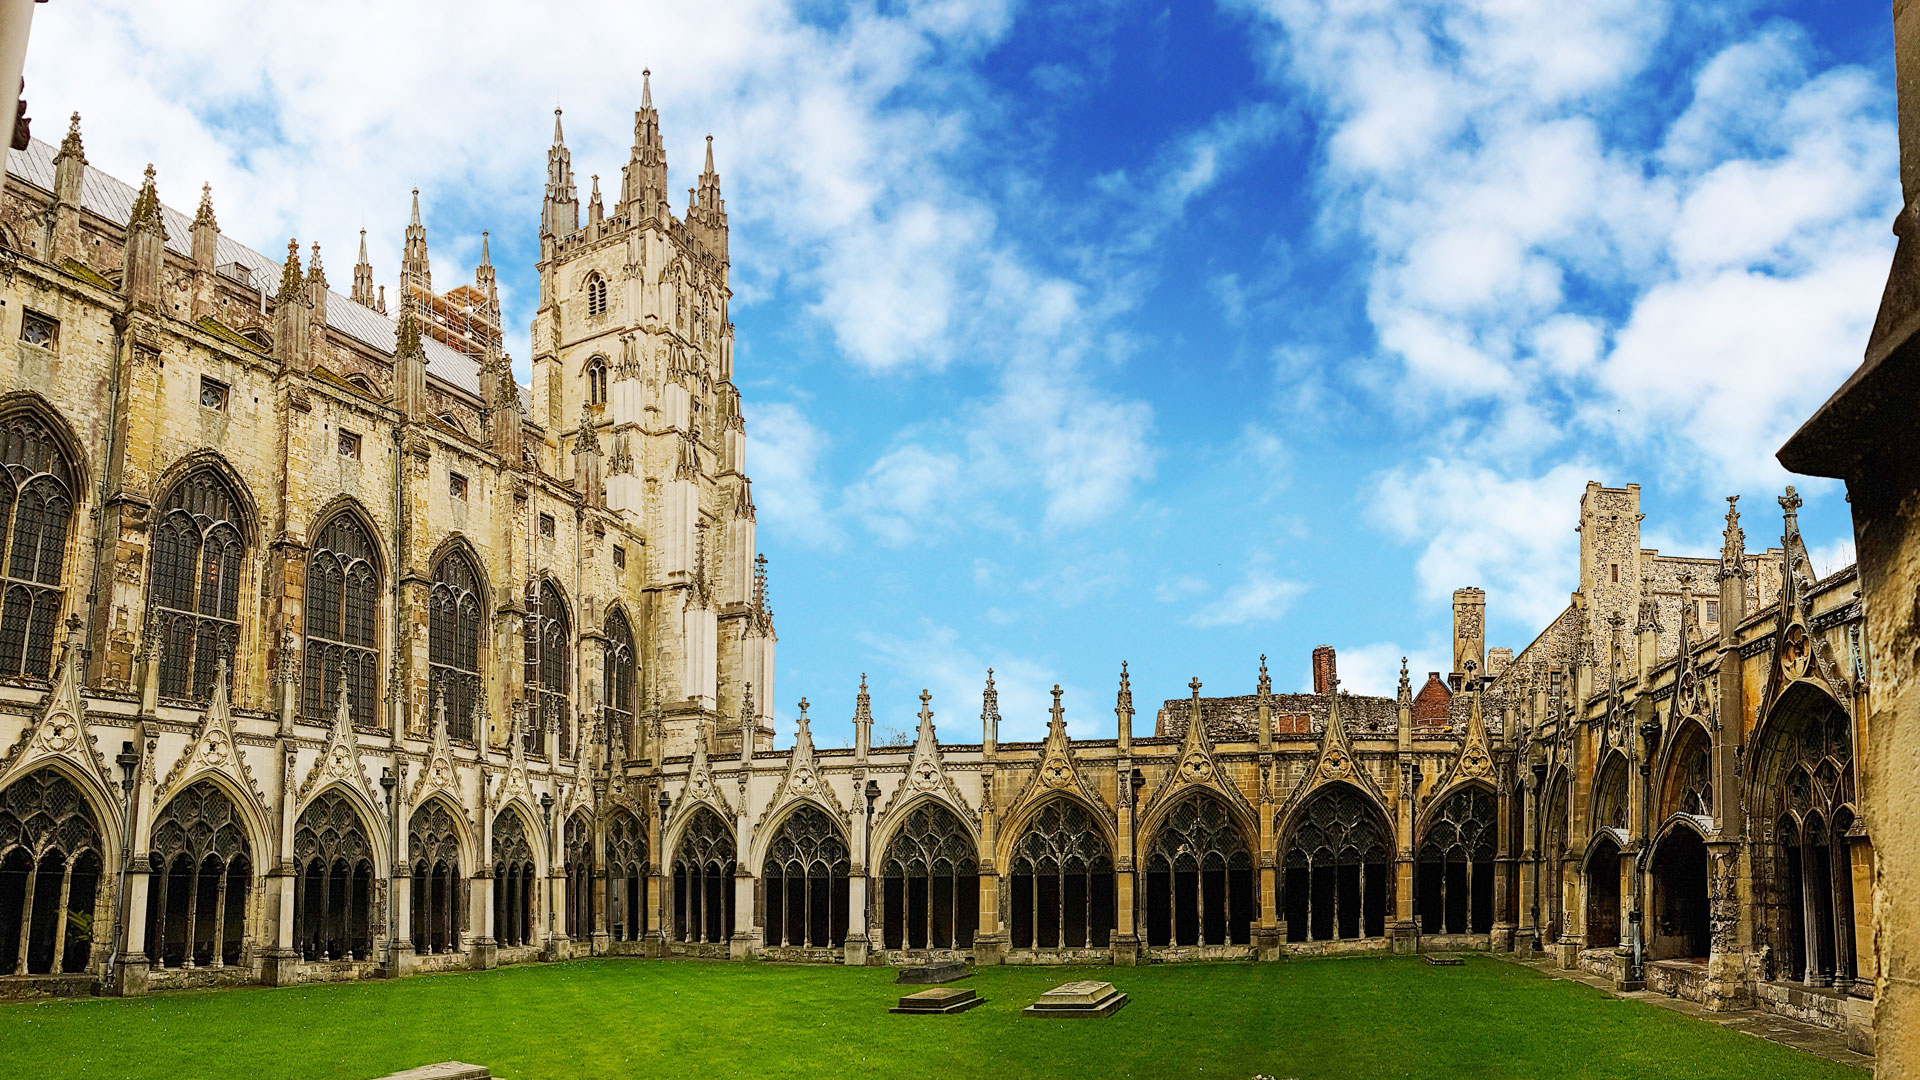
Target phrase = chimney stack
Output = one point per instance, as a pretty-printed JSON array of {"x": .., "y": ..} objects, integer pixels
[{"x": 1324, "y": 676}]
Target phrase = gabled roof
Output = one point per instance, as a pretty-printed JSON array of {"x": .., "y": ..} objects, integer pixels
[{"x": 112, "y": 199}]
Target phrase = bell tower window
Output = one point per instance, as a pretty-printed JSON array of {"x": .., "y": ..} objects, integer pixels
[
  {"x": 597, "y": 381},
  {"x": 596, "y": 295}
]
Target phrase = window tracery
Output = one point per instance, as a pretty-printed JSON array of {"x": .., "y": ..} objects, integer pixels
[
  {"x": 1454, "y": 890},
  {"x": 36, "y": 515},
  {"x": 1334, "y": 882},
  {"x": 202, "y": 867},
  {"x": 805, "y": 878},
  {"x": 343, "y": 604},
  {"x": 515, "y": 881},
  {"x": 198, "y": 557},
  {"x": 333, "y": 881},
  {"x": 703, "y": 868},
  {"x": 930, "y": 897},
  {"x": 453, "y": 642},
  {"x": 50, "y": 863},
  {"x": 549, "y": 637},
  {"x": 433, "y": 842},
  {"x": 1062, "y": 881},
  {"x": 626, "y": 855}
]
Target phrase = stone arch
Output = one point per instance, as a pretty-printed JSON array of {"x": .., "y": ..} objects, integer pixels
[
  {"x": 338, "y": 855},
  {"x": 347, "y": 619},
  {"x": 703, "y": 864},
  {"x": 550, "y": 634},
  {"x": 41, "y": 490},
  {"x": 206, "y": 458},
  {"x": 805, "y": 862},
  {"x": 515, "y": 858},
  {"x": 441, "y": 858},
  {"x": 1555, "y": 845},
  {"x": 371, "y": 817},
  {"x": 1060, "y": 876},
  {"x": 1611, "y": 796},
  {"x": 1679, "y": 924},
  {"x": 1335, "y": 859},
  {"x": 54, "y": 857},
  {"x": 1602, "y": 869},
  {"x": 579, "y": 862},
  {"x": 1801, "y": 794},
  {"x": 457, "y": 636},
  {"x": 460, "y": 542},
  {"x": 202, "y": 572},
  {"x": 1454, "y": 861},
  {"x": 929, "y": 873},
  {"x": 628, "y": 863},
  {"x": 1022, "y": 819},
  {"x": 206, "y": 853},
  {"x": 32, "y": 403},
  {"x": 1201, "y": 863},
  {"x": 1686, "y": 773}
]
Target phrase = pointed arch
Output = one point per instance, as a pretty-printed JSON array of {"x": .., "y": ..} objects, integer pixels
[
  {"x": 41, "y": 484},
  {"x": 620, "y": 678},
  {"x": 1610, "y": 792},
  {"x": 439, "y": 846},
  {"x": 704, "y": 852},
  {"x": 628, "y": 870},
  {"x": 456, "y": 635},
  {"x": 1679, "y": 925},
  {"x": 53, "y": 854},
  {"x": 930, "y": 877},
  {"x": 804, "y": 878},
  {"x": 1453, "y": 882},
  {"x": 1602, "y": 868},
  {"x": 1061, "y": 870},
  {"x": 346, "y": 571},
  {"x": 516, "y": 875},
  {"x": 1686, "y": 772},
  {"x": 1200, "y": 865},
  {"x": 578, "y": 863},
  {"x": 336, "y": 859},
  {"x": 549, "y": 658},
  {"x": 1335, "y": 860},
  {"x": 203, "y": 855},
  {"x": 201, "y": 557}
]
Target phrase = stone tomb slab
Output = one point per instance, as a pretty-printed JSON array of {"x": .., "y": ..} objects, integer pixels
[
  {"x": 944, "y": 972},
  {"x": 1086, "y": 998},
  {"x": 938, "y": 1001},
  {"x": 1443, "y": 960}
]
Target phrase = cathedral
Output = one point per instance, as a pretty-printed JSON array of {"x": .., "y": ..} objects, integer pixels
[{"x": 329, "y": 651}]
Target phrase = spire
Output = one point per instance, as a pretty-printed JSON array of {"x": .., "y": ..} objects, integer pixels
[
  {"x": 484, "y": 276},
  {"x": 560, "y": 214},
  {"x": 1733, "y": 549},
  {"x": 203, "y": 217},
  {"x": 644, "y": 180},
  {"x": 70, "y": 146},
  {"x": 709, "y": 171},
  {"x": 1266, "y": 681},
  {"x": 290, "y": 277},
  {"x": 1123, "y": 701},
  {"x": 146, "y": 206},
  {"x": 315, "y": 274},
  {"x": 596, "y": 213},
  {"x": 486, "y": 254},
  {"x": 407, "y": 338},
  {"x": 863, "y": 703},
  {"x": 989, "y": 701},
  {"x": 363, "y": 276},
  {"x": 646, "y": 102},
  {"x": 1406, "y": 686},
  {"x": 415, "y": 269}
]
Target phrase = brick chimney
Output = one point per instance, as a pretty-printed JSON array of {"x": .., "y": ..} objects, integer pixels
[{"x": 1324, "y": 676}]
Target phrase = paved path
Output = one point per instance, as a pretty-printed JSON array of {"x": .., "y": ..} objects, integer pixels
[{"x": 1825, "y": 1042}]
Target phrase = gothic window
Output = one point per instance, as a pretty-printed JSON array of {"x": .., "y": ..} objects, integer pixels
[
  {"x": 618, "y": 668},
  {"x": 201, "y": 864},
  {"x": 596, "y": 295},
  {"x": 805, "y": 878},
  {"x": 36, "y": 513},
  {"x": 38, "y": 329},
  {"x": 333, "y": 882},
  {"x": 514, "y": 881},
  {"x": 626, "y": 854},
  {"x": 343, "y": 603},
  {"x": 579, "y": 869},
  {"x": 198, "y": 552},
  {"x": 1454, "y": 889},
  {"x": 1611, "y": 806},
  {"x": 549, "y": 637},
  {"x": 703, "y": 880},
  {"x": 597, "y": 381},
  {"x": 1199, "y": 877},
  {"x": 931, "y": 883},
  {"x": 453, "y": 643},
  {"x": 1553, "y": 849},
  {"x": 1803, "y": 773},
  {"x": 50, "y": 862},
  {"x": 1603, "y": 894},
  {"x": 1335, "y": 869},
  {"x": 433, "y": 842},
  {"x": 1690, "y": 786},
  {"x": 1062, "y": 881}
]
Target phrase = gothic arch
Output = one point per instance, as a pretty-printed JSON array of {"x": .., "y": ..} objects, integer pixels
[
  {"x": 462, "y": 828},
  {"x": 1454, "y": 861},
  {"x": 260, "y": 834},
  {"x": 1610, "y": 798},
  {"x": 764, "y": 834},
  {"x": 247, "y": 520},
  {"x": 895, "y": 819},
  {"x": 344, "y": 505},
  {"x": 919, "y": 906},
  {"x": 1686, "y": 773},
  {"x": 458, "y": 542},
  {"x": 804, "y": 879},
  {"x": 529, "y": 820},
  {"x": 1334, "y": 865},
  {"x": 1441, "y": 798},
  {"x": 457, "y": 636},
  {"x": 1678, "y": 915},
  {"x": 205, "y": 877},
  {"x": 1247, "y": 826},
  {"x": 347, "y": 619},
  {"x": 550, "y": 640},
  {"x": 202, "y": 577},
  {"x": 32, "y": 403},
  {"x": 1060, "y": 876},
  {"x": 1022, "y": 819},
  {"x": 515, "y": 856},
  {"x": 1201, "y": 866},
  {"x": 700, "y": 867},
  {"x": 371, "y": 819},
  {"x": 103, "y": 804},
  {"x": 49, "y": 826},
  {"x": 337, "y": 858}
]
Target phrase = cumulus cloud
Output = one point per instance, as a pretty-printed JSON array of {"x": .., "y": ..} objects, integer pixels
[
  {"x": 784, "y": 452},
  {"x": 1260, "y": 596}
]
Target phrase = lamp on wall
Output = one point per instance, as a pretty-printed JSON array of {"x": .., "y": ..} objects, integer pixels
[
  {"x": 387, "y": 784},
  {"x": 129, "y": 763}
]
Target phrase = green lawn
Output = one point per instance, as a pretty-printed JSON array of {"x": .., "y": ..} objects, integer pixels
[{"x": 1348, "y": 1019}]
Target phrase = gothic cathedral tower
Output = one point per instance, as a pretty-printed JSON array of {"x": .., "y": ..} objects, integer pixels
[{"x": 633, "y": 380}]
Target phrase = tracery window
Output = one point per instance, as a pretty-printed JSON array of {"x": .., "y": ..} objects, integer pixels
[
  {"x": 343, "y": 604},
  {"x": 930, "y": 896},
  {"x": 453, "y": 642},
  {"x": 1062, "y": 881},
  {"x": 1691, "y": 785},
  {"x": 1336, "y": 869},
  {"x": 50, "y": 862},
  {"x": 1611, "y": 808},
  {"x": 333, "y": 881},
  {"x": 1805, "y": 772},
  {"x": 433, "y": 842},
  {"x": 1553, "y": 850},
  {"x": 597, "y": 381},
  {"x": 1603, "y": 894},
  {"x": 549, "y": 636},
  {"x": 579, "y": 870},
  {"x": 805, "y": 878},
  {"x": 1199, "y": 877},
  {"x": 618, "y": 668},
  {"x": 202, "y": 867},
  {"x": 198, "y": 552},
  {"x": 1454, "y": 890},
  {"x": 596, "y": 295},
  {"x": 36, "y": 514},
  {"x": 703, "y": 869},
  {"x": 626, "y": 855},
  {"x": 514, "y": 881}
]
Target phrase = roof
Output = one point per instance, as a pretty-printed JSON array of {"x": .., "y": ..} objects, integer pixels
[{"x": 112, "y": 198}]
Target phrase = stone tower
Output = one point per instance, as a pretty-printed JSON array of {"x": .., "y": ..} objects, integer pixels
[
  {"x": 633, "y": 379},
  {"x": 1609, "y": 558},
  {"x": 1469, "y": 634}
]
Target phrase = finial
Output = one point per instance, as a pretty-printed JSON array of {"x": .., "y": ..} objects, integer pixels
[
  {"x": 557, "y": 138},
  {"x": 803, "y": 706},
  {"x": 314, "y": 272},
  {"x": 363, "y": 245},
  {"x": 486, "y": 255},
  {"x": 290, "y": 274},
  {"x": 146, "y": 205},
  {"x": 204, "y": 216},
  {"x": 1194, "y": 686},
  {"x": 709, "y": 152},
  {"x": 646, "y": 88},
  {"x": 1266, "y": 681},
  {"x": 416, "y": 207},
  {"x": 70, "y": 146},
  {"x": 1790, "y": 502}
]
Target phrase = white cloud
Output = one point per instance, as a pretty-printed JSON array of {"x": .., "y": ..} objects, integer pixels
[
  {"x": 1831, "y": 558},
  {"x": 934, "y": 657},
  {"x": 783, "y": 454},
  {"x": 1260, "y": 596}
]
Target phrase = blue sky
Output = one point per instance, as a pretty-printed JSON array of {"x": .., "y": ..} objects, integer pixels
[{"x": 1079, "y": 332}]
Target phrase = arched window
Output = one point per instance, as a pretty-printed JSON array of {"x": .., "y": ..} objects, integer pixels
[
  {"x": 1804, "y": 779},
  {"x": 596, "y": 295},
  {"x": 514, "y": 881},
  {"x": 1690, "y": 781},
  {"x": 549, "y": 648},
  {"x": 597, "y": 381},
  {"x": 202, "y": 866},
  {"x": 931, "y": 893},
  {"x": 198, "y": 552},
  {"x": 343, "y": 604},
  {"x": 1336, "y": 869},
  {"x": 333, "y": 882},
  {"x": 1199, "y": 877},
  {"x": 50, "y": 862},
  {"x": 1062, "y": 881},
  {"x": 453, "y": 642},
  {"x": 806, "y": 882},
  {"x": 1610, "y": 806},
  {"x": 1454, "y": 891},
  {"x": 433, "y": 841},
  {"x": 579, "y": 869},
  {"x": 618, "y": 668},
  {"x": 703, "y": 880},
  {"x": 36, "y": 514},
  {"x": 626, "y": 851},
  {"x": 1553, "y": 850},
  {"x": 1603, "y": 894}
]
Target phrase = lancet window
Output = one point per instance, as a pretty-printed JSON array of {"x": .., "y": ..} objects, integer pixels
[
  {"x": 579, "y": 871},
  {"x": 343, "y": 604},
  {"x": 453, "y": 642},
  {"x": 1335, "y": 870},
  {"x": 621, "y": 673},
  {"x": 626, "y": 854},
  {"x": 549, "y": 636}
]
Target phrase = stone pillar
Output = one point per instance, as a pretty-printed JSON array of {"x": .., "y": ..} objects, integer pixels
[
  {"x": 1504, "y": 863},
  {"x": 990, "y": 942},
  {"x": 483, "y": 938},
  {"x": 130, "y": 970},
  {"x": 1525, "y": 935}
]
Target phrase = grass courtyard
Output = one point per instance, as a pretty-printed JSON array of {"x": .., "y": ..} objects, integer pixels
[{"x": 1352, "y": 1018}]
